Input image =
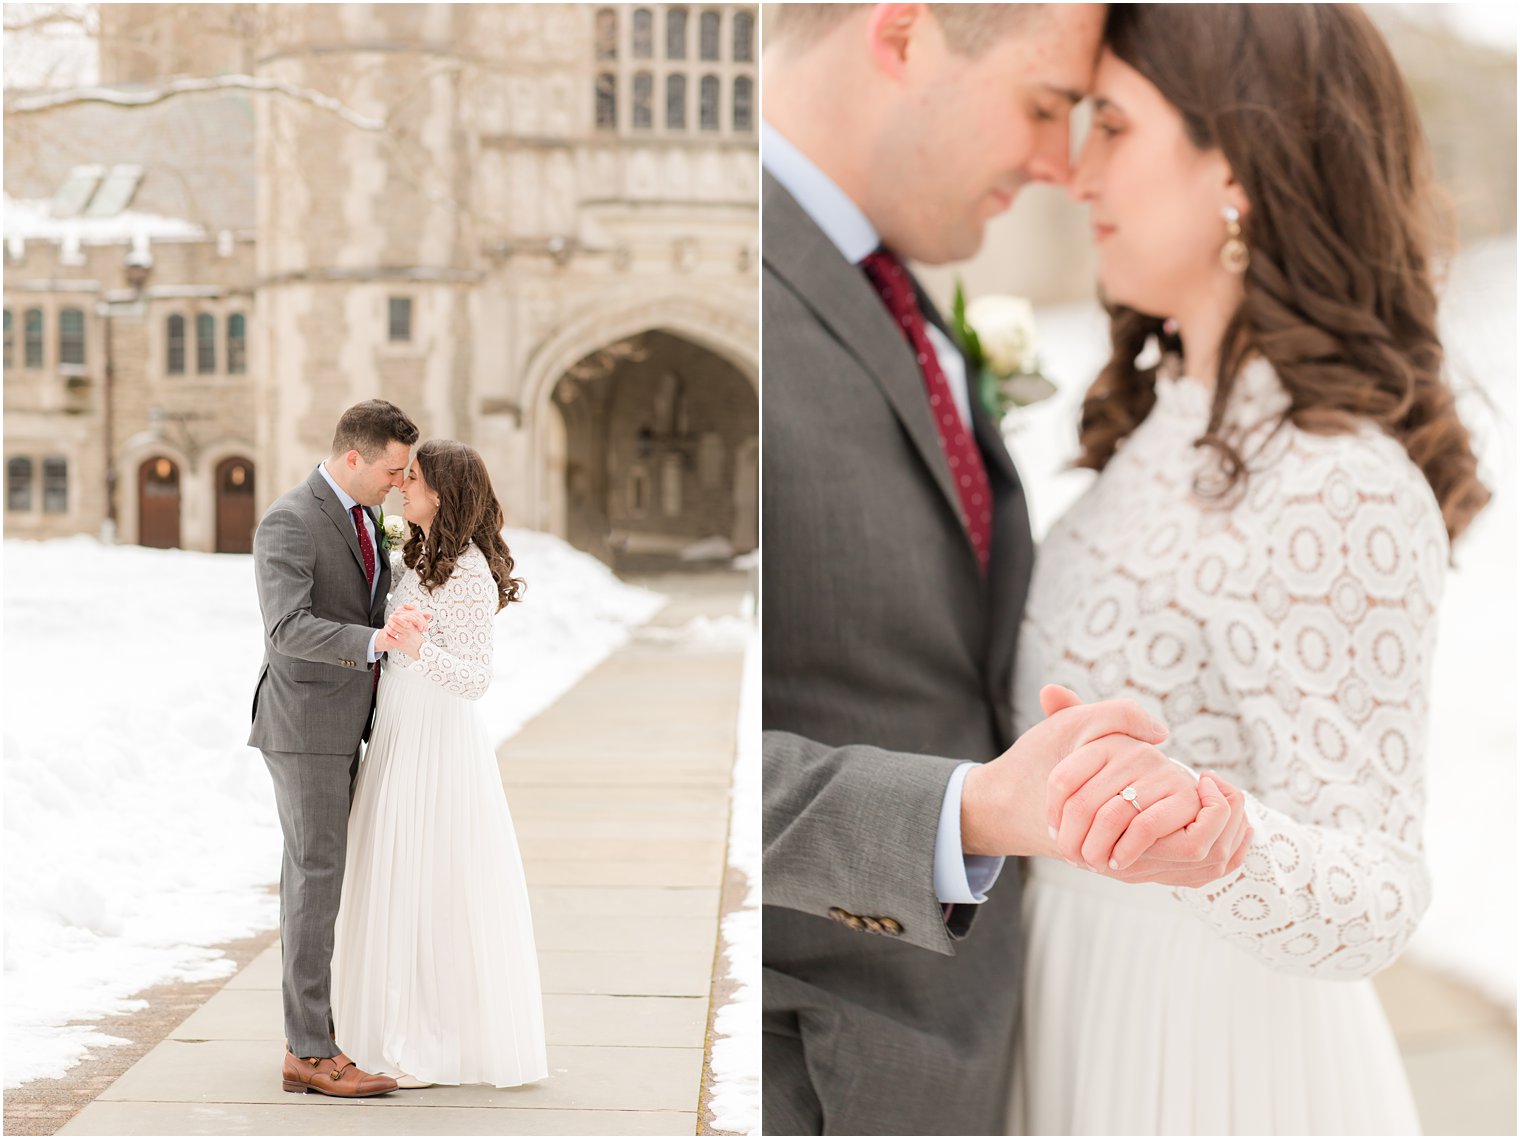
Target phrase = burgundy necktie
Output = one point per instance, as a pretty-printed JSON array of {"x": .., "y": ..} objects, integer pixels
[
  {"x": 366, "y": 548},
  {"x": 886, "y": 272}
]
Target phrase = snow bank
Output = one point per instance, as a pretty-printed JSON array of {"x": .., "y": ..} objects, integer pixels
[{"x": 735, "y": 1101}]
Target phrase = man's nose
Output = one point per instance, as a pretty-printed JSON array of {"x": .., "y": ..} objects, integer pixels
[{"x": 1052, "y": 163}]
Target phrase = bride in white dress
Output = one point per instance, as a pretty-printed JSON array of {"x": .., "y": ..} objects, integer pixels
[
  {"x": 1269, "y": 594},
  {"x": 435, "y": 976}
]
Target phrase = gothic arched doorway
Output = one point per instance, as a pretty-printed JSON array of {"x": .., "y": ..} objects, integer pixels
[
  {"x": 234, "y": 506},
  {"x": 656, "y": 432},
  {"x": 158, "y": 502}
]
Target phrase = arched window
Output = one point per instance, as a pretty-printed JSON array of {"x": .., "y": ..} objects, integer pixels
[
  {"x": 710, "y": 26},
  {"x": 33, "y": 336},
  {"x": 174, "y": 337},
  {"x": 205, "y": 344},
  {"x": 606, "y": 102},
  {"x": 744, "y": 38},
  {"x": 675, "y": 33},
  {"x": 675, "y": 102},
  {"x": 237, "y": 344},
  {"x": 744, "y": 104},
  {"x": 71, "y": 336},
  {"x": 643, "y": 101},
  {"x": 643, "y": 33},
  {"x": 18, "y": 484},
  {"x": 606, "y": 34},
  {"x": 709, "y": 103}
]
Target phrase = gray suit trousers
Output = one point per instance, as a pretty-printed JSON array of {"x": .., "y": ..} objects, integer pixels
[{"x": 313, "y": 794}]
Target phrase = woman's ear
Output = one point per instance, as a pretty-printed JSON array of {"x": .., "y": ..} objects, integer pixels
[{"x": 1235, "y": 195}]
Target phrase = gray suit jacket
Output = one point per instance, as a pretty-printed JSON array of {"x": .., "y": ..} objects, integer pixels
[
  {"x": 887, "y": 662},
  {"x": 315, "y": 692}
]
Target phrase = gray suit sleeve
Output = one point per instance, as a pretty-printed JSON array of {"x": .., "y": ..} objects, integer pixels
[
  {"x": 284, "y": 567},
  {"x": 855, "y": 827}
]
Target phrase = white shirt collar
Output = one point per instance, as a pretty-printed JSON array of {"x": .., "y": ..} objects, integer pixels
[
  {"x": 832, "y": 210},
  {"x": 343, "y": 496}
]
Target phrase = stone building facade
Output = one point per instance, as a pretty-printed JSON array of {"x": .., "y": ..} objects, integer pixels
[{"x": 534, "y": 227}]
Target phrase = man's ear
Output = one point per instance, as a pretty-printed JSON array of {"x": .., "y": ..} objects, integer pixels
[{"x": 890, "y": 31}]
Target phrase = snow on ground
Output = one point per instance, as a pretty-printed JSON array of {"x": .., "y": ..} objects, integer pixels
[
  {"x": 735, "y": 1101},
  {"x": 1471, "y": 787},
  {"x": 139, "y": 827}
]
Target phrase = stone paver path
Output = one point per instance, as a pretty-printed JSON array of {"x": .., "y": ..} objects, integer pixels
[{"x": 620, "y": 795}]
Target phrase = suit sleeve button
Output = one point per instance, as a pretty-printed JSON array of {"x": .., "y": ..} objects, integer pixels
[{"x": 891, "y": 926}]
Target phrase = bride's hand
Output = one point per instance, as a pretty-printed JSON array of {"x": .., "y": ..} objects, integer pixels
[
  {"x": 1188, "y": 838},
  {"x": 1210, "y": 847},
  {"x": 1088, "y": 785},
  {"x": 409, "y": 641},
  {"x": 404, "y": 630}
]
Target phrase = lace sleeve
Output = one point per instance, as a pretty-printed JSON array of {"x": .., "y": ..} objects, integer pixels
[
  {"x": 1324, "y": 638},
  {"x": 456, "y": 651}
]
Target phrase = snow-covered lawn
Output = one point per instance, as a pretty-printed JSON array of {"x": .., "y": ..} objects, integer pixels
[
  {"x": 139, "y": 827},
  {"x": 1471, "y": 789}
]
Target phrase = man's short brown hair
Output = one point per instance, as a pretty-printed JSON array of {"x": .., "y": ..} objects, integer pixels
[
  {"x": 372, "y": 426},
  {"x": 970, "y": 29}
]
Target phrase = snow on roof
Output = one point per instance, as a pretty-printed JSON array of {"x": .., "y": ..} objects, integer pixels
[{"x": 32, "y": 220}]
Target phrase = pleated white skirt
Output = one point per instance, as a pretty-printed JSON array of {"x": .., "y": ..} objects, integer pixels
[
  {"x": 434, "y": 968},
  {"x": 1138, "y": 1019}
]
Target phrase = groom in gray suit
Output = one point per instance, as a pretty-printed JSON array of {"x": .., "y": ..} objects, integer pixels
[
  {"x": 322, "y": 580},
  {"x": 897, "y": 555}
]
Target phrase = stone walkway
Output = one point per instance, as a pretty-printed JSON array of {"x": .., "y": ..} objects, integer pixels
[
  {"x": 620, "y": 795},
  {"x": 1458, "y": 1047}
]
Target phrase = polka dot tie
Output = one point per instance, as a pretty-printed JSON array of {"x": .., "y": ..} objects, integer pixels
[
  {"x": 886, "y": 272},
  {"x": 367, "y": 548}
]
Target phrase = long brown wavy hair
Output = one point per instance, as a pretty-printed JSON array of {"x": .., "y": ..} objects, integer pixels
[
  {"x": 1309, "y": 109},
  {"x": 468, "y": 511}
]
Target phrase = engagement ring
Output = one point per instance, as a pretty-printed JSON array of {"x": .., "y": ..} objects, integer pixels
[{"x": 1129, "y": 795}]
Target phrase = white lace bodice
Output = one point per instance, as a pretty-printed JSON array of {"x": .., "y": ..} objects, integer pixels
[
  {"x": 1285, "y": 638},
  {"x": 456, "y": 650}
]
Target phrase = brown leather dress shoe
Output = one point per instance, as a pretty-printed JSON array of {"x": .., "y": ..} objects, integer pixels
[{"x": 331, "y": 1075}]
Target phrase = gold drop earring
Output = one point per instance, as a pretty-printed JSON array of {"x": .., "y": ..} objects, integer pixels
[{"x": 1234, "y": 256}]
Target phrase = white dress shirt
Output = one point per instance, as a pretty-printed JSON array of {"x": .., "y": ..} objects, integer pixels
[
  {"x": 369, "y": 528},
  {"x": 958, "y": 877}
]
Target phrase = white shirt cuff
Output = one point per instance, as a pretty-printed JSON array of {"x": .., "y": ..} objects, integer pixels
[
  {"x": 373, "y": 655},
  {"x": 960, "y": 877}
]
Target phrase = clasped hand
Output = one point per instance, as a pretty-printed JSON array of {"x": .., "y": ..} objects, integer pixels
[
  {"x": 1068, "y": 773},
  {"x": 404, "y": 630}
]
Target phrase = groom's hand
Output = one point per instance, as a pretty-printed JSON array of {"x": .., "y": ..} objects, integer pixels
[{"x": 1002, "y": 802}]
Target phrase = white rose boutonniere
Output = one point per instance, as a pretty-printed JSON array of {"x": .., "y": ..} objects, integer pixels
[
  {"x": 393, "y": 535},
  {"x": 395, "y": 530},
  {"x": 1000, "y": 339}
]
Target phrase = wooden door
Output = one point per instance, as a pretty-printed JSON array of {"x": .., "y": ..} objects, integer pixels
[
  {"x": 234, "y": 506},
  {"x": 158, "y": 504}
]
